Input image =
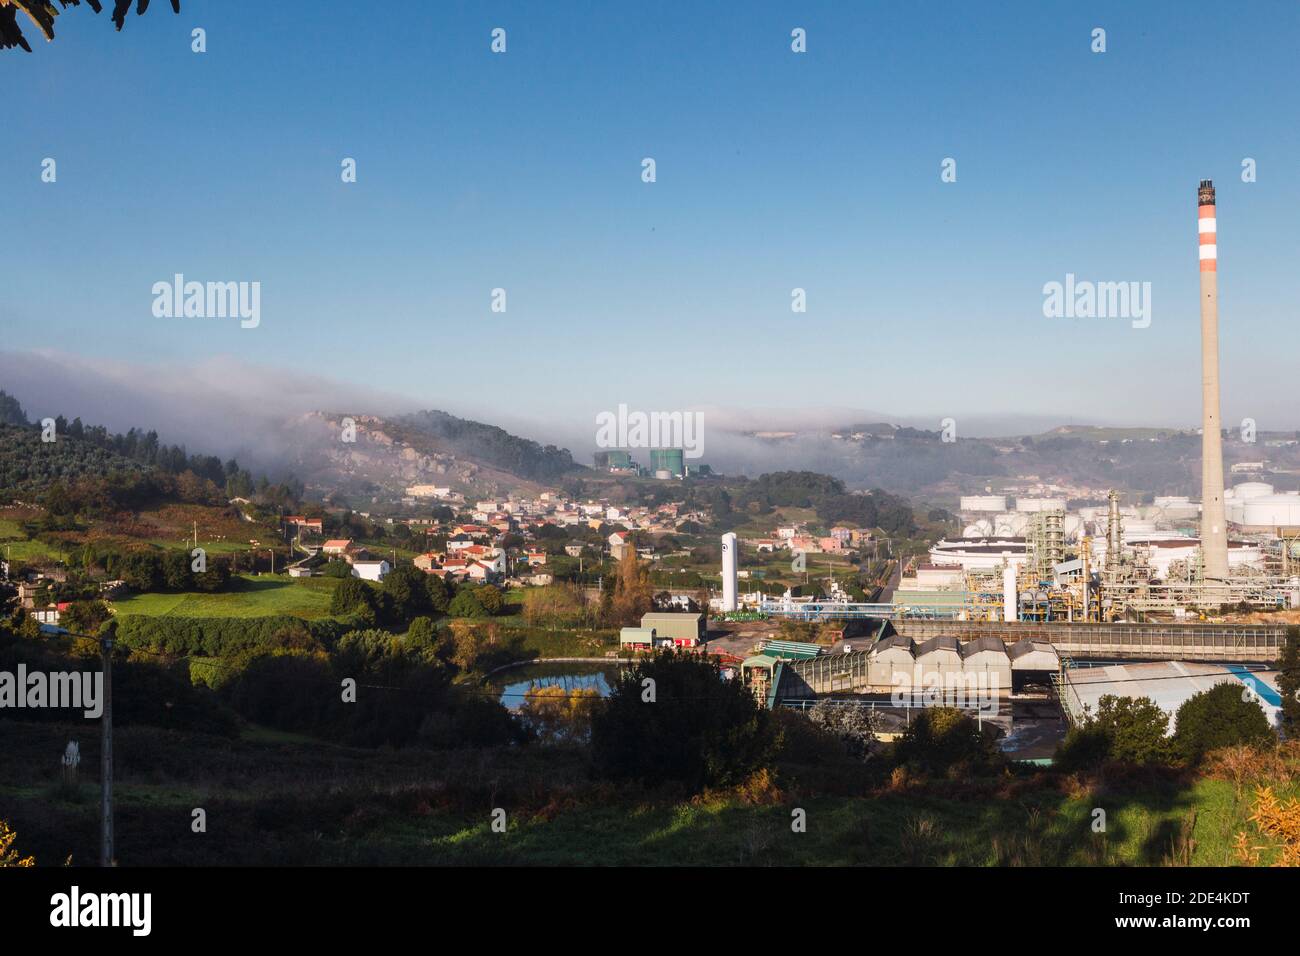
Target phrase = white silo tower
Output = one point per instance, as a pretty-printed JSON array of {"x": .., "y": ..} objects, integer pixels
[{"x": 730, "y": 555}]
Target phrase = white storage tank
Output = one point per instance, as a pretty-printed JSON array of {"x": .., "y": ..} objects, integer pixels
[
  {"x": 1040, "y": 504},
  {"x": 983, "y": 503}
]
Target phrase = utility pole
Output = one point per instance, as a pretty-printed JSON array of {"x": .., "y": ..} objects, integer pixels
[{"x": 106, "y": 756}]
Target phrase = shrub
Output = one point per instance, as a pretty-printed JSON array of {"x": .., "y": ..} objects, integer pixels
[
  {"x": 354, "y": 596},
  {"x": 940, "y": 739},
  {"x": 854, "y": 727},
  {"x": 673, "y": 717},
  {"x": 1135, "y": 728},
  {"x": 467, "y": 604},
  {"x": 1219, "y": 717}
]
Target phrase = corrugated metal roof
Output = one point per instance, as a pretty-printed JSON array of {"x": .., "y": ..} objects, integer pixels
[
  {"x": 986, "y": 643},
  {"x": 1027, "y": 645},
  {"x": 796, "y": 650},
  {"x": 943, "y": 642},
  {"x": 894, "y": 640}
]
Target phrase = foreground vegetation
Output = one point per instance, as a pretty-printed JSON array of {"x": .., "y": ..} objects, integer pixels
[{"x": 276, "y": 799}]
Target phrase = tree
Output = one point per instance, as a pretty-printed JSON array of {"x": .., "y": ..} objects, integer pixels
[
  {"x": 490, "y": 598},
  {"x": 8, "y": 855},
  {"x": 672, "y": 716},
  {"x": 468, "y": 641},
  {"x": 439, "y": 593},
  {"x": 84, "y": 617},
  {"x": 467, "y": 604},
  {"x": 421, "y": 637},
  {"x": 43, "y": 12},
  {"x": 1288, "y": 682},
  {"x": 354, "y": 596},
  {"x": 945, "y": 738},
  {"x": 633, "y": 594},
  {"x": 336, "y": 569},
  {"x": 1222, "y": 716},
  {"x": 558, "y": 715},
  {"x": 1135, "y": 728},
  {"x": 854, "y": 726},
  {"x": 406, "y": 585}
]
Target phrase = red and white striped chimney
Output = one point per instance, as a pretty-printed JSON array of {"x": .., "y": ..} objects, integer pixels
[{"x": 1214, "y": 526}]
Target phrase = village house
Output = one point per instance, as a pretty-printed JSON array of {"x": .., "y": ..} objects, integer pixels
[
  {"x": 619, "y": 542},
  {"x": 371, "y": 570}
]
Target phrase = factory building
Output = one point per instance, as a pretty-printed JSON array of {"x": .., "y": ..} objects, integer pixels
[
  {"x": 684, "y": 630},
  {"x": 637, "y": 638},
  {"x": 889, "y": 655},
  {"x": 986, "y": 657},
  {"x": 1032, "y": 662},
  {"x": 1168, "y": 683},
  {"x": 978, "y": 554},
  {"x": 1162, "y": 549}
]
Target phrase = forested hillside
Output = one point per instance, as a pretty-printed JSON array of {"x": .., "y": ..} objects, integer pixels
[{"x": 486, "y": 444}]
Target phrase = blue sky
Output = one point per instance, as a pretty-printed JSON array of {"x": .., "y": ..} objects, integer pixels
[{"x": 775, "y": 171}]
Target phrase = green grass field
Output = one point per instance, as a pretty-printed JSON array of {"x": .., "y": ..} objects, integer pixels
[
  {"x": 250, "y": 596},
  {"x": 14, "y": 545}
]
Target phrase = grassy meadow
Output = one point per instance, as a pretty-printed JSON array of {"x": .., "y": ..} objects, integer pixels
[{"x": 249, "y": 596}]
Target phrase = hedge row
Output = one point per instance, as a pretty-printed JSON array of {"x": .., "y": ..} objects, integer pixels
[{"x": 221, "y": 636}]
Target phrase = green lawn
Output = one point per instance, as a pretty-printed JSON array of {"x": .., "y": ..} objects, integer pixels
[{"x": 250, "y": 596}]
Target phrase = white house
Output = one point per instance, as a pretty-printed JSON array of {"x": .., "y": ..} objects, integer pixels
[{"x": 371, "y": 570}]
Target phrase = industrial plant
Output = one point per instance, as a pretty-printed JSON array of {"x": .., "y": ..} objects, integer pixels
[{"x": 1175, "y": 592}]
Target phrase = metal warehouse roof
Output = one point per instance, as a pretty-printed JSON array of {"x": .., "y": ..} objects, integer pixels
[
  {"x": 791, "y": 650},
  {"x": 894, "y": 640},
  {"x": 943, "y": 642},
  {"x": 1027, "y": 645},
  {"x": 986, "y": 643}
]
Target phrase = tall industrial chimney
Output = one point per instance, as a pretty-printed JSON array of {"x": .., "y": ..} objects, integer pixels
[{"x": 1214, "y": 527}]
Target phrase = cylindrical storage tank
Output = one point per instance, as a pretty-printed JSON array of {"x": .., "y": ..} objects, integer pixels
[
  {"x": 730, "y": 556},
  {"x": 1040, "y": 504},
  {"x": 1252, "y": 489},
  {"x": 983, "y": 503},
  {"x": 1270, "y": 511},
  {"x": 1010, "y": 609}
]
